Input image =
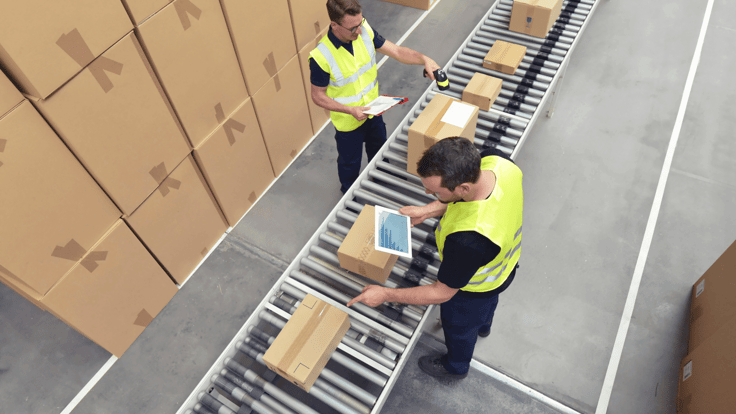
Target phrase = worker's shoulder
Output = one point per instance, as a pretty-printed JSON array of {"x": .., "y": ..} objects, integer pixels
[{"x": 490, "y": 152}]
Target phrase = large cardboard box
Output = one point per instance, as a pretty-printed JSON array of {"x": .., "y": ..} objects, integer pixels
[
  {"x": 534, "y": 17},
  {"x": 9, "y": 95},
  {"x": 190, "y": 49},
  {"x": 713, "y": 300},
  {"x": 140, "y": 10},
  {"x": 262, "y": 51},
  {"x": 51, "y": 209},
  {"x": 303, "y": 347},
  {"x": 116, "y": 119},
  {"x": 318, "y": 114},
  {"x": 180, "y": 222},
  {"x": 308, "y": 19},
  {"x": 417, "y": 4},
  {"x": 45, "y": 43},
  {"x": 708, "y": 374},
  {"x": 358, "y": 253},
  {"x": 442, "y": 118},
  {"x": 235, "y": 163},
  {"x": 281, "y": 107},
  {"x": 482, "y": 91},
  {"x": 504, "y": 57}
]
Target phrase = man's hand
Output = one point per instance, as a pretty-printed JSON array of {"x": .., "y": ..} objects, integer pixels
[
  {"x": 357, "y": 112},
  {"x": 430, "y": 66},
  {"x": 372, "y": 295},
  {"x": 417, "y": 214}
]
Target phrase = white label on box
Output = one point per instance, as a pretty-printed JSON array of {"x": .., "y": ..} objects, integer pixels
[
  {"x": 700, "y": 288},
  {"x": 687, "y": 371},
  {"x": 458, "y": 114}
]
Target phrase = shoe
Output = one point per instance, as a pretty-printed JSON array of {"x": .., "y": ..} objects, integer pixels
[
  {"x": 432, "y": 365},
  {"x": 484, "y": 334}
]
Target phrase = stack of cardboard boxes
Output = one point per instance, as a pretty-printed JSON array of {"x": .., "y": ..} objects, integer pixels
[{"x": 133, "y": 133}]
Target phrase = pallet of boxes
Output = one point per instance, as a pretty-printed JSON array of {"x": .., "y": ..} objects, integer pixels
[{"x": 708, "y": 373}]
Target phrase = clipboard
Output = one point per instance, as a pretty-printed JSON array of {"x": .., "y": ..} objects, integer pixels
[{"x": 383, "y": 103}]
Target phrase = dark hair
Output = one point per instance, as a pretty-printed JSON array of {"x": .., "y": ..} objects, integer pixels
[
  {"x": 337, "y": 9},
  {"x": 454, "y": 159}
]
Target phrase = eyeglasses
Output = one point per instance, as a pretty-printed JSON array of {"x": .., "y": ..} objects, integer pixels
[{"x": 354, "y": 29}]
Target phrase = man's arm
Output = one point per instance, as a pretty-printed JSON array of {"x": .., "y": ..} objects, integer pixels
[
  {"x": 320, "y": 98},
  {"x": 409, "y": 57},
  {"x": 374, "y": 295},
  {"x": 419, "y": 214}
]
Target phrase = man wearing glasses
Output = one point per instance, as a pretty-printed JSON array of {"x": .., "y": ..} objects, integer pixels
[{"x": 344, "y": 79}]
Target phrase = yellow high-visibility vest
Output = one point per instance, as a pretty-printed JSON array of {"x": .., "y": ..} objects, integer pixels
[
  {"x": 498, "y": 218},
  {"x": 353, "y": 78}
]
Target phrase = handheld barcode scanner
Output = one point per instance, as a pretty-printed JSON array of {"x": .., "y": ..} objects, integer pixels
[{"x": 441, "y": 78}]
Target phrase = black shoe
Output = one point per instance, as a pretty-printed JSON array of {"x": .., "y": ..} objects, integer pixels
[
  {"x": 432, "y": 365},
  {"x": 484, "y": 334}
]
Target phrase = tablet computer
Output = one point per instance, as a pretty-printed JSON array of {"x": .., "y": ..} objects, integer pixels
[{"x": 393, "y": 232}]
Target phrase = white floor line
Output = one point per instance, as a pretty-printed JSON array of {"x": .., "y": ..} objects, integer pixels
[
  {"x": 411, "y": 29},
  {"x": 73, "y": 404},
  {"x": 623, "y": 328}
]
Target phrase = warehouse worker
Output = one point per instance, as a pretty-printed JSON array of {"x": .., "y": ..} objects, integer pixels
[
  {"x": 480, "y": 199},
  {"x": 344, "y": 79}
]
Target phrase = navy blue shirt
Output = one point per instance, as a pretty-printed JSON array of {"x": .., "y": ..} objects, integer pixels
[{"x": 321, "y": 78}]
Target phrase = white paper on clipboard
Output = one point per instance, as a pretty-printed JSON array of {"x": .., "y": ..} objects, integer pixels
[
  {"x": 382, "y": 104},
  {"x": 393, "y": 232},
  {"x": 458, "y": 114}
]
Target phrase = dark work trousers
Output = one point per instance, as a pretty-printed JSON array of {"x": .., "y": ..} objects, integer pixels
[{"x": 350, "y": 149}]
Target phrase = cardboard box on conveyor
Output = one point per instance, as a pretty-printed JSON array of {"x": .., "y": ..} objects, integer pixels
[
  {"x": 303, "y": 347},
  {"x": 482, "y": 91},
  {"x": 534, "y": 17},
  {"x": 358, "y": 253},
  {"x": 504, "y": 57}
]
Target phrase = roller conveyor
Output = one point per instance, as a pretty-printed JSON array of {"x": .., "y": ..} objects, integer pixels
[{"x": 369, "y": 359}]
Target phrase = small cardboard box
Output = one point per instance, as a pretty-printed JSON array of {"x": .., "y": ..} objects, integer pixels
[
  {"x": 708, "y": 373},
  {"x": 43, "y": 44},
  {"x": 113, "y": 293},
  {"x": 482, "y": 91},
  {"x": 358, "y": 253},
  {"x": 713, "y": 301},
  {"x": 140, "y": 10},
  {"x": 190, "y": 49},
  {"x": 534, "y": 17},
  {"x": 234, "y": 161},
  {"x": 281, "y": 107},
  {"x": 180, "y": 222},
  {"x": 504, "y": 57},
  {"x": 303, "y": 347},
  {"x": 309, "y": 18},
  {"x": 318, "y": 114},
  {"x": 417, "y": 4},
  {"x": 432, "y": 125},
  {"x": 261, "y": 57},
  {"x": 119, "y": 124},
  {"x": 10, "y": 97}
]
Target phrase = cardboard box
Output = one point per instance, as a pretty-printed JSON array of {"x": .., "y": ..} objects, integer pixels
[
  {"x": 120, "y": 125},
  {"x": 9, "y": 95},
  {"x": 358, "y": 254},
  {"x": 180, "y": 222},
  {"x": 707, "y": 375},
  {"x": 417, "y": 4},
  {"x": 534, "y": 17},
  {"x": 235, "y": 163},
  {"x": 43, "y": 44},
  {"x": 260, "y": 56},
  {"x": 190, "y": 49},
  {"x": 303, "y": 347},
  {"x": 51, "y": 209},
  {"x": 504, "y": 57},
  {"x": 713, "y": 300},
  {"x": 281, "y": 107},
  {"x": 431, "y": 126},
  {"x": 140, "y": 10},
  {"x": 309, "y": 18},
  {"x": 482, "y": 91},
  {"x": 318, "y": 115},
  {"x": 113, "y": 293}
]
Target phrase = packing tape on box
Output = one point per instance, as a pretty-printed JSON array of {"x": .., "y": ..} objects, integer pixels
[
  {"x": 183, "y": 9},
  {"x": 74, "y": 45},
  {"x": 229, "y": 125},
  {"x": 143, "y": 319},
  {"x": 253, "y": 197},
  {"x": 303, "y": 335},
  {"x": 74, "y": 251},
  {"x": 270, "y": 65},
  {"x": 159, "y": 174}
]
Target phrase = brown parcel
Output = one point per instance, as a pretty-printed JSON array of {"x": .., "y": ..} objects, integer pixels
[
  {"x": 140, "y": 10},
  {"x": 308, "y": 19},
  {"x": 113, "y": 293},
  {"x": 504, "y": 57},
  {"x": 318, "y": 114},
  {"x": 120, "y": 125},
  {"x": 51, "y": 209},
  {"x": 358, "y": 253},
  {"x": 281, "y": 107},
  {"x": 235, "y": 163},
  {"x": 180, "y": 222},
  {"x": 301, "y": 350},
  {"x": 261, "y": 56},
  {"x": 43, "y": 44},
  {"x": 707, "y": 375},
  {"x": 418, "y": 4},
  {"x": 428, "y": 128},
  {"x": 191, "y": 51},
  {"x": 534, "y": 17},
  {"x": 482, "y": 91},
  {"x": 713, "y": 300},
  {"x": 9, "y": 95}
]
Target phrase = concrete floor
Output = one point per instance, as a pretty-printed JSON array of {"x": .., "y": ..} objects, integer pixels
[{"x": 591, "y": 173}]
